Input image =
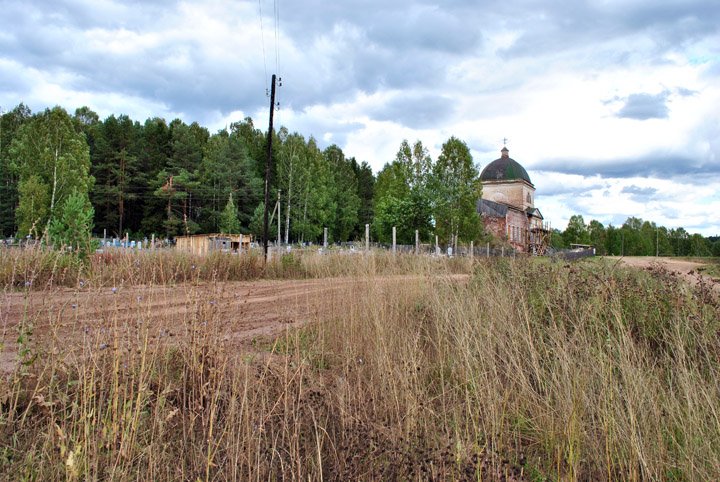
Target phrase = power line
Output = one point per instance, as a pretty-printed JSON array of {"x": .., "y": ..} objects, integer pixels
[
  {"x": 262, "y": 42},
  {"x": 276, "y": 9},
  {"x": 276, "y": 19}
]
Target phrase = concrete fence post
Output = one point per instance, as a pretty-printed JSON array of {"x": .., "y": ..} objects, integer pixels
[
  {"x": 417, "y": 241},
  {"x": 487, "y": 250},
  {"x": 472, "y": 249},
  {"x": 127, "y": 240},
  {"x": 104, "y": 236},
  {"x": 502, "y": 252},
  {"x": 325, "y": 238},
  {"x": 437, "y": 246},
  {"x": 394, "y": 239},
  {"x": 152, "y": 242},
  {"x": 367, "y": 237}
]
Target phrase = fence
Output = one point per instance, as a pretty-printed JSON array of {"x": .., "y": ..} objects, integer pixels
[
  {"x": 427, "y": 249},
  {"x": 573, "y": 254}
]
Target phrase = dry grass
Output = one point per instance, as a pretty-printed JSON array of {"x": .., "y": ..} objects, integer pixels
[
  {"x": 40, "y": 269},
  {"x": 531, "y": 370}
]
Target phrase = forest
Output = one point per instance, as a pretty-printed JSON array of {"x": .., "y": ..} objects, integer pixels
[{"x": 120, "y": 176}]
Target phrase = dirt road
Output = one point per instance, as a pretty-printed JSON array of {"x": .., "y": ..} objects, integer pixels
[{"x": 60, "y": 321}]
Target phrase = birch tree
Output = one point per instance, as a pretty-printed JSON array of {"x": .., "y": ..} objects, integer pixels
[
  {"x": 291, "y": 172},
  {"x": 51, "y": 154},
  {"x": 456, "y": 189}
]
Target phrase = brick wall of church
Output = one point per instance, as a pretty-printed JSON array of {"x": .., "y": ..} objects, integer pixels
[
  {"x": 513, "y": 228},
  {"x": 517, "y": 225}
]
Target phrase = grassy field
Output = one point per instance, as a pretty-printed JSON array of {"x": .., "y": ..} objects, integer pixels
[{"x": 531, "y": 369}]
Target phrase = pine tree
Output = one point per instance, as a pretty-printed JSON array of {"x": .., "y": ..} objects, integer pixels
[
  {"x": 229, "y": 223},
  {"x": 72, "y": 228}
]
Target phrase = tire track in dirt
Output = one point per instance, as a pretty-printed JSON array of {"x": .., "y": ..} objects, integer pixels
[{"x": 65, "y": 320}]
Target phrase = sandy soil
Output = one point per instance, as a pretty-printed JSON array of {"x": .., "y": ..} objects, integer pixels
[{"x": 66, "y": 321}]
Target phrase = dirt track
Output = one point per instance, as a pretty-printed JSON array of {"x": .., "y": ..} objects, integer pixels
[{"x": 64, "y": 320}]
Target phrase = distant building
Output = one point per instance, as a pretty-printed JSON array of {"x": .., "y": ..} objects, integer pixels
[
  {"x": 507, "y": 206},
  {"x": 206, "y": 243}
]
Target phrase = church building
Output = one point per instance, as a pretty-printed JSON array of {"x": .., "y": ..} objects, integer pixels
[{"x": 508, "y": 207}]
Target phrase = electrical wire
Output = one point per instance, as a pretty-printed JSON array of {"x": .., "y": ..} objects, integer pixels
[
  {"x": 262, "y": 42},
  {"x": 276, "y": 10}
]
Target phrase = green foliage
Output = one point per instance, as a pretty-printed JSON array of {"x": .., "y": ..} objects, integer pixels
[
  {"x": 256, "y": 222},
  {"x": 175, "y": 179},
  {"x": 343, "y": 193},
  {"x": 404, "y": 195},
  {"x": 366, "y": 191},
  {"x": 597, "y": 236},
  {"x": 119, "y": 179},
  {"x": 10, "y": 123},
  {"x": 229, "y": 222},
  {"x": 226, "y": 168},
  {"x": 456, "y": 189},
  {"x": 50, "y": 149},
  {"x": 72, "y": 228},
  {"x": 576, "y": 231},
  {"x": 32, "y": 209}
]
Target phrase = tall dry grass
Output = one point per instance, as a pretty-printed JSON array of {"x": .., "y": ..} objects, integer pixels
[
  {"x": 529, "y": 370},
  {"x": 39, "y": 268}
]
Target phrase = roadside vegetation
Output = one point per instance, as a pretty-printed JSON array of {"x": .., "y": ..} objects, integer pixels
[
  {"x": 41, "y": 268},
  {"x": 531, "y": 369}
]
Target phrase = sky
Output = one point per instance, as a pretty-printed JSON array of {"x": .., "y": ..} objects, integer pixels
[{"x": 612, "y": 106}]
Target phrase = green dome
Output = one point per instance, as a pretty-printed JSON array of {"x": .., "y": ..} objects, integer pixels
[{"x": 504, "y": 169}]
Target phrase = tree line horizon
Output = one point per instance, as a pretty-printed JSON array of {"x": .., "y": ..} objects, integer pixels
[{"x": 120, "y": 176}]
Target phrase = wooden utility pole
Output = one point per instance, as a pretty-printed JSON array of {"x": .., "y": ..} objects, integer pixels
[{"x": 267, "y": 168}]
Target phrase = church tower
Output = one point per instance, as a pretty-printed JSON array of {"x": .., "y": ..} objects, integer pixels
[
  {"x": 508, "y": 207},
  {"x": 505, "y": 181}
]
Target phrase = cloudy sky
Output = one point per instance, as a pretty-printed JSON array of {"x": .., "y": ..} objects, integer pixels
[{"x": 613, "y": 106}]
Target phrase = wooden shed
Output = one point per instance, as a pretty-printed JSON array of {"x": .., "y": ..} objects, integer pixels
[{"x": 206, "y": 243}]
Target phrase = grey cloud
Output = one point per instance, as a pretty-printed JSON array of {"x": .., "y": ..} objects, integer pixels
[
  {"x": 558, "y": 188},
  {"x": 556, "y": 28},
  {"x": 683, "y": 92},
  {"x": 662, "y": 165},
  {"x": 405, "y": 45},
  {"x": 640, "y": 194},
  {"x": 645, "y": 106},
  {"x": 396, "y": 45},
  {"x": 639, "y": 191},
  {"x": 430, "y": 28},
  {"x": 416, "y": 111}
]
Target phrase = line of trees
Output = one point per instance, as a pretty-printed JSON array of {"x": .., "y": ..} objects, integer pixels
[
  {"x": 61, "y": 174},
  {"x": 413, "y": 193},
  {"x": 635, "y": 238},
  {"x": 175, "y": 178}
]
